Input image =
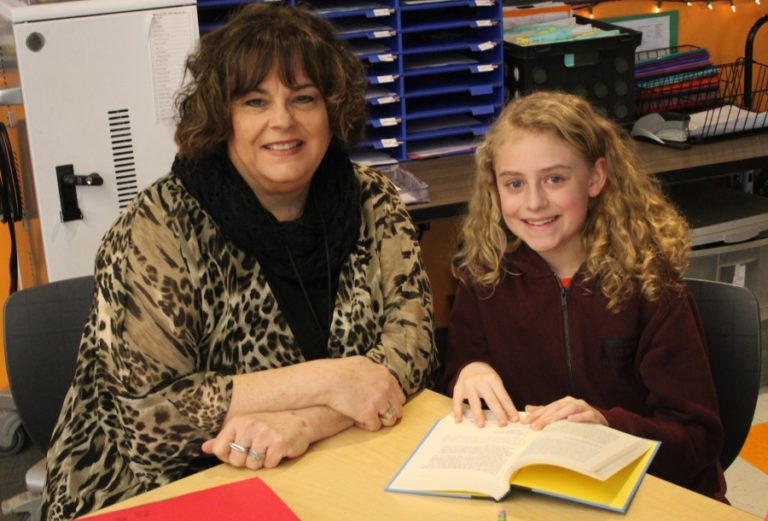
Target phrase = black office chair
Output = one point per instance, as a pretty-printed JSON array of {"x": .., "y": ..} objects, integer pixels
[
  {"x": 731, "y": 319},
  {"x": 43, "y": 326}
]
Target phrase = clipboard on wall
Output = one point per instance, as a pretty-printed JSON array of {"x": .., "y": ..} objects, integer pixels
[{"x": 660, "y": 30}]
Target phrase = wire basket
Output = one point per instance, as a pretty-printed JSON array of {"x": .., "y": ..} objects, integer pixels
[{"x": 720, "y": 99}]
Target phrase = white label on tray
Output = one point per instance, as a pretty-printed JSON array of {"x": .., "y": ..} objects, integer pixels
[{"x": 739, "y": 274}]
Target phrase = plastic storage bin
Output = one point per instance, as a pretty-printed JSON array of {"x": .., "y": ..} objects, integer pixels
[
  {"x": 601, "y": 69},
  {"x": 743, "y": 264},
  {"x": 412, "y": 190}
]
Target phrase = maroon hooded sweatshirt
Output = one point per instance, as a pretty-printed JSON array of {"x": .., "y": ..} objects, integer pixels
[{"x": 645, "y": 369}]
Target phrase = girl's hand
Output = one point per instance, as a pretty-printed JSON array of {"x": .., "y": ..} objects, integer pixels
[
  {"x": 260, "y": 439},
  {"x": 568, "y": 408},
  {"x": 479, "y": 381}
]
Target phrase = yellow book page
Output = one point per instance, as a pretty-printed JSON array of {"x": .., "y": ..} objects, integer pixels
[{"x": 614, "y": 493}]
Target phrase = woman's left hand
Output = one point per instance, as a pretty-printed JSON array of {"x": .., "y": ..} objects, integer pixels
[
  {"x": 260, "y": 439},
  {"x": 568, "y": 408}
]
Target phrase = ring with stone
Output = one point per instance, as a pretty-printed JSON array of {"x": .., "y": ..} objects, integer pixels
[{"x": 389, "y": 413}]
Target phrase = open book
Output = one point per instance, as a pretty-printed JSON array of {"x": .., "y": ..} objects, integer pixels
[{"x": 583, "y": 462}]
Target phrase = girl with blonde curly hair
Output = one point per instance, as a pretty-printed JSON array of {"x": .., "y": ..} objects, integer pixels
[{"x": 571, "y": 300}]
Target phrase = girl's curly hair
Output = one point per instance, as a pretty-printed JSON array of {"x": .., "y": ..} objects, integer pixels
[
  {"x": 634, "y": 237},
  {"x": 236, "y": 57}
]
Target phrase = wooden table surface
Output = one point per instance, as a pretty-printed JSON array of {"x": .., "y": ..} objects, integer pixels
[{"x": 343, "y": 478}]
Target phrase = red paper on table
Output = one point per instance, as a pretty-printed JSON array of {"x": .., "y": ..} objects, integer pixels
[{"x": 249, "y": 499}]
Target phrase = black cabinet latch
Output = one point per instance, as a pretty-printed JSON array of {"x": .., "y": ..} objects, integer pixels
[{"x": 68, "y": 182}]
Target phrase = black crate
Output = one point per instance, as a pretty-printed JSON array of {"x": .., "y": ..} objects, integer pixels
[{"x": 599, "y": 69}]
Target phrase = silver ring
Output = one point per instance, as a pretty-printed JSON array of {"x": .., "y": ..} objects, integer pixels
[
  {"x": 389, "y": 413},
  {"x": 258, "y": 456},
  {"x": 237, "y": 448}
]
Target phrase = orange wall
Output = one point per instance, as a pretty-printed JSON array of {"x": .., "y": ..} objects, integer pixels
[{"x": 721, "y": 31}]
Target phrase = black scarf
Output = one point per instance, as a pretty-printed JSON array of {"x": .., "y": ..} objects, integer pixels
[{"x": 334, "y": 198}]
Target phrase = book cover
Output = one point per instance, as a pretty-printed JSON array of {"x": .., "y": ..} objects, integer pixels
[{"x": 586, "y": 463}]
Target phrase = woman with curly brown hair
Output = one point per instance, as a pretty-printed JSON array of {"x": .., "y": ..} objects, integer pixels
[
  {"x": 571, "y": 301},
  {"x": 265, "y": 294}
]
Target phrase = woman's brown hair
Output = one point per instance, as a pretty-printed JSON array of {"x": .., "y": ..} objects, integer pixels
[{"x": 236, "y": 57}]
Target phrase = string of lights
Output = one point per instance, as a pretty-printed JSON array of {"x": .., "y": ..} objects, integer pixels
[{"x": 660, "y": 5}]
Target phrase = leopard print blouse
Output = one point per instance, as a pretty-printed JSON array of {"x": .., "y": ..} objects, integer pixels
[{"x": 178, "y": 310}]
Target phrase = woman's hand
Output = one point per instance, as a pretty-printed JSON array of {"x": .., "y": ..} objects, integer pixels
[
  {"x": 366, "y": 392},
  {"x": 568, "y": 408},
  {"x": 261, "y": 439},
  {"x": 356, "y": 387},
  {"x": 479, "y": 381}
]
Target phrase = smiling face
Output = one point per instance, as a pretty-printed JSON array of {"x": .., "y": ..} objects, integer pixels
[
  {"x": 544, "y": 188},
  {"x": 279, "y": 137}
]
